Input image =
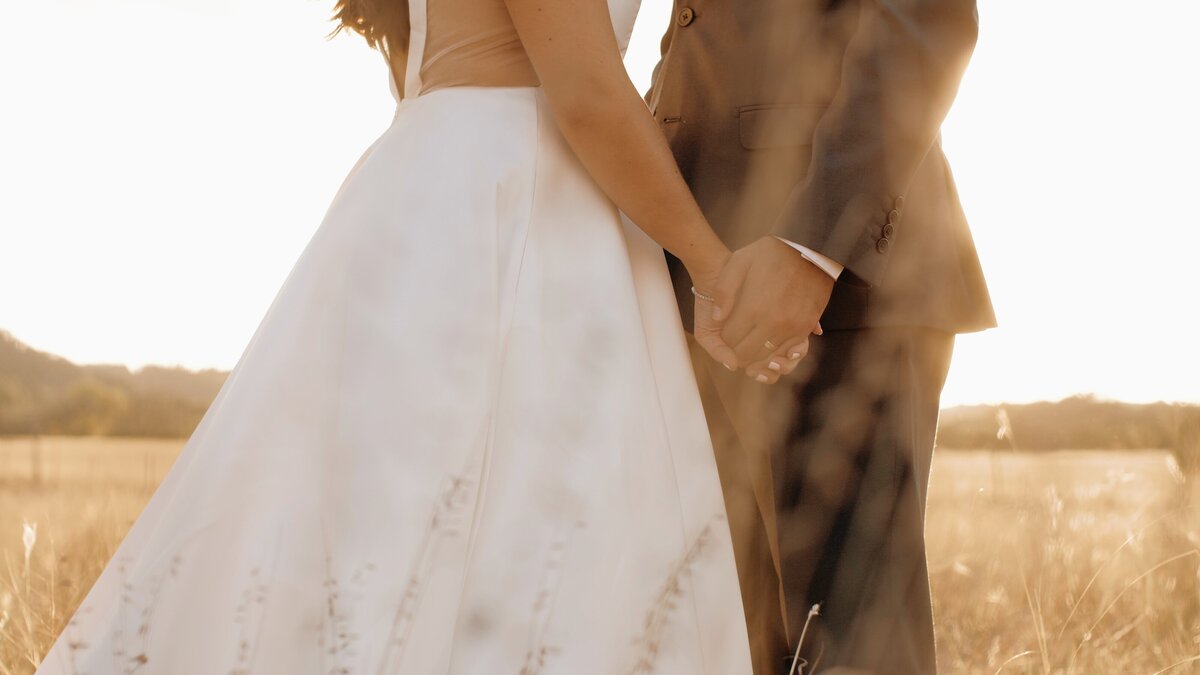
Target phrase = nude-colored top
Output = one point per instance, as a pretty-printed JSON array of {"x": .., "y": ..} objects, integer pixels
[{"x": 472, "y": 43}]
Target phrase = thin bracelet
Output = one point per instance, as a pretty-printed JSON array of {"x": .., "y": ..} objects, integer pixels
[{"x": 702, "y": 295}]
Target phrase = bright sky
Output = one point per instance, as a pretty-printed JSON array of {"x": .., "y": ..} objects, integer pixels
[{"x": 162, "y": 165}]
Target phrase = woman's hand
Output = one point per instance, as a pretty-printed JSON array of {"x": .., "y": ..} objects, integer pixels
[{"x": 708, "y": 315}]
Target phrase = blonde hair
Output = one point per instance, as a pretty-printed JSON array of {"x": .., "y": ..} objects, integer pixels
[{"x": 383, "y": 23}]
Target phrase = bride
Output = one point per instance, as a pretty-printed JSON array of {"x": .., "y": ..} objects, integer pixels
[{"x": 465, "y": 438}]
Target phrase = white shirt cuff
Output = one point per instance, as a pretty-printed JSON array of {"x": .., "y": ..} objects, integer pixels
[{"x": 830, "y": 266}]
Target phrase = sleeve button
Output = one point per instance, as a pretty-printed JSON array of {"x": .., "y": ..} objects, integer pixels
[
  {"x": 686, "y": 15},
  {"x": 893, "y": 217},
  {"x": 883, "y": 244},
  {"x": 888, "y": 230}
]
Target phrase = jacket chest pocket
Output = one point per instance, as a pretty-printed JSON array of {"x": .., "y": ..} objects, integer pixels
[{"x": 778, "y": 125}]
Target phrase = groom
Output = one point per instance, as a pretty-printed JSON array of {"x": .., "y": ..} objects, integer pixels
[{"x": 809, "y": 134}]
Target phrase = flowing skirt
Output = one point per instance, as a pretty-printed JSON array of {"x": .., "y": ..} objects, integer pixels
[{"x": 465, "y": 438}]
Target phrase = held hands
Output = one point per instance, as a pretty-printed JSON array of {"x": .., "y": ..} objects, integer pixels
[{"x": 757, "y": 313}]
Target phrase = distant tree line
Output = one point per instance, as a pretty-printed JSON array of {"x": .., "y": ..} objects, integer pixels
[
  {"x": 43, "y": 394},
  {"x": 1076, "y": 423}
]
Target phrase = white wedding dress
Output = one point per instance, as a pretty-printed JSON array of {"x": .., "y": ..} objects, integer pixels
[{"x": 465, "y": 439}]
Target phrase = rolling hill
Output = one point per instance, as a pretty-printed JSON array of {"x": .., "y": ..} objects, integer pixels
[{"x": 41, "y": 393}]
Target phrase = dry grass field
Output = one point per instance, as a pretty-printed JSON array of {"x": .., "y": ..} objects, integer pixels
[
  {"x": 1069, "y": 562},
  {"x": 1079, "y": 562}
]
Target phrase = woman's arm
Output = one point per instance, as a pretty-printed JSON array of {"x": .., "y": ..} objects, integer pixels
[{"x": 574, "y": 51}]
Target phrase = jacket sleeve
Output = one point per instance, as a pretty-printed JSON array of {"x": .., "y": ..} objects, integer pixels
[{"x": 900, "y": 73}]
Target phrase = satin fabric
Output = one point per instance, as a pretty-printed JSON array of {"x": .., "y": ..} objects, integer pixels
[{"x": 465, "y": 438}]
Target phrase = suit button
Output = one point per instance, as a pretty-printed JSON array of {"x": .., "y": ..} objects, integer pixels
[
  {"x": 882, "y": 245},
  {"x": 686, "y": 15},
  {"x": 898, "y": 203},
  {"x": 893, "y": 217},
  {"x": 888, "y": 230}
]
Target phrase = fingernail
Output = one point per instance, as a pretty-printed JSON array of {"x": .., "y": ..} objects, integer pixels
[
  {"x": 774, "y": 366},
  {"x": 762, "y": 378},
  {"x": 795, "y": 355},
  {"x": 728, "y": 367}
]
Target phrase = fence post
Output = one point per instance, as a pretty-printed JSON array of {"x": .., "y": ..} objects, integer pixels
[{"x": 35, "y": 459}]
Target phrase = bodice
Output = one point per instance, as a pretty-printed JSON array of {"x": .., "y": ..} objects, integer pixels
[{"x": 474, "y": 43}]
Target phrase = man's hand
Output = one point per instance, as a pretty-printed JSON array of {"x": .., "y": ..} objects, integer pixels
[{"x": 774, "y": 295}]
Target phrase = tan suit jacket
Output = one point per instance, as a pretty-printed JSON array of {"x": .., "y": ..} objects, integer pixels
[{"x": 818, "y": 121}]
